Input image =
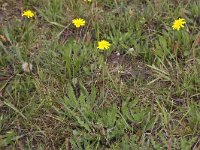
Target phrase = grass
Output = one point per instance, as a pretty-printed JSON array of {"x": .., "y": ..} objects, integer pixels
[{"x": 142, "y": 93}]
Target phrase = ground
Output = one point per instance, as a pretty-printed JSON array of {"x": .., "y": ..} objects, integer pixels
[{"x": 141, "y": 93}]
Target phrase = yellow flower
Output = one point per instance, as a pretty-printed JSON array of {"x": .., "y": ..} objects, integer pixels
[
  {"x": 28, "y": 14},
  {"x": 103, "y": 45},
  {"x": 78, "y": 22},
  {"x": 88, "y": 0},
  {"x": 177, "y": 24}
]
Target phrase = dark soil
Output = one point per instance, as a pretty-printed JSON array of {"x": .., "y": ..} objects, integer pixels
[{"x": 9, "y": 9}]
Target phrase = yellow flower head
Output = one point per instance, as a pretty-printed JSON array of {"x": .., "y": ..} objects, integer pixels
[
  {"x": 88, "y": 0},
  {"x": 103, "y": 45},
  {"x": 28, "y": 14},
  {"x": 78, "y": 22},
  {"x": 177, "y": 24}
]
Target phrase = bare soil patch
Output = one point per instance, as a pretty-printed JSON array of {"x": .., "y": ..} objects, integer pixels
[{"x": 9, "y": 9}]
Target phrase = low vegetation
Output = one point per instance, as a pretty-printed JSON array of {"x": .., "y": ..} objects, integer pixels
[{"x": 100, "y": 74}]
